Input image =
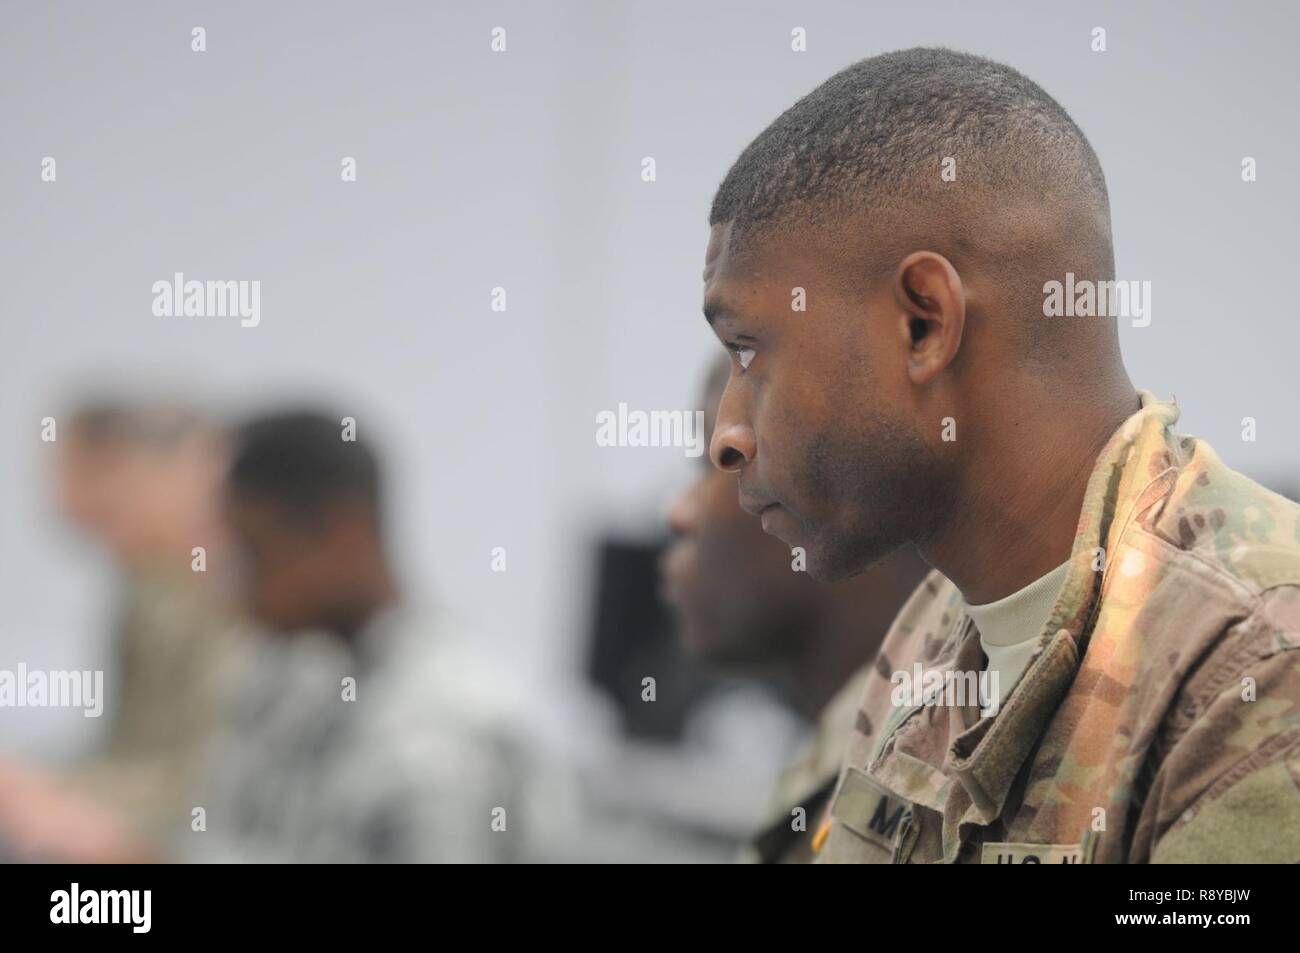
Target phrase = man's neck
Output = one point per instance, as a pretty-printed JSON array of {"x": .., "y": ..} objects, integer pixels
[{"x": 1016, "y": 516}]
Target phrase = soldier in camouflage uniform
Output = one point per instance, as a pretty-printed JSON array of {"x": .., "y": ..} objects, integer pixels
[
  {"x": 879, "y": 266},
  {"x": 1157, "y": 721},
  {"x": 369, "y": 733},
  {"x": 141, "y": 478}
]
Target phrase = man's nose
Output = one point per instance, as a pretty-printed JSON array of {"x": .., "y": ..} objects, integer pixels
[{"x": 733, "y": 445}]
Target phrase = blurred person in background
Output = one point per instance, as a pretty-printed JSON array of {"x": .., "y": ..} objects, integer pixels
[
  {"x": 363, "y": 733},
  {"x": 141, "y": 479},
  {"x": 368, "y": 734},
  {"x": 743, "y": 607}
]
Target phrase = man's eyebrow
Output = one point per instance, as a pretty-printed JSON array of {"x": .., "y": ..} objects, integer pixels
[{"x": 714, "y": 310}]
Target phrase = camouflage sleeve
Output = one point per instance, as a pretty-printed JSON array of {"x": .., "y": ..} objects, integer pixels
[
  {"x": 1233, "y": 778},
  {"x": 449, "y": 793}
]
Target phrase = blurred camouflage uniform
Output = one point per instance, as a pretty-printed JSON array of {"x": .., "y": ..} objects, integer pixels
[
  {"x": 1159, "y": 719},
  {"x": 807, "y": 782},
  {"x": 178, "y": 662},
  {"x": 416, "y": 766}
]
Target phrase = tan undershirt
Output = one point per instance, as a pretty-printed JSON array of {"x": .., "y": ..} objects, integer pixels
[{"x": 1009, "y": 628}]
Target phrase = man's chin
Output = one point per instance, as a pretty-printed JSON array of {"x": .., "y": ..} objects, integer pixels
[
  {"x": 825, "y": 571},
  {"x": 808, "y": 557},
  {"x": 826, "y": 562},
  {"x": 780, "y": 523},
  {"x": 832, "y": 564}
]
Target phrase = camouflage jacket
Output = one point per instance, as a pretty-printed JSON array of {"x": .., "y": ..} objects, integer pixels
[
  {"x": 180, "y": 659},
  {"x": 1157, "y": 721},
  {"x": 784, "y": 837},
  {"x": 398, "y": 751}
]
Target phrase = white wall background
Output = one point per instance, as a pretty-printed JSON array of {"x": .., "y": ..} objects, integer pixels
[{"x": 522, "y": 170}]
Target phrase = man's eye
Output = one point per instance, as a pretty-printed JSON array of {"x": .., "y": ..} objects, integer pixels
[{"x": 744, "y": 355}]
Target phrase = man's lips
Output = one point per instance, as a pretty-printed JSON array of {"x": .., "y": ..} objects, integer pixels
[{"x": 754, "y": 505}]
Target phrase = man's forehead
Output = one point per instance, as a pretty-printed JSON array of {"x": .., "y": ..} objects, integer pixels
[
  {"x": 736, "y": 272},
  {"x": 750, "y": 254},
  {"x": 719, "y": 240},
  {"x": 749, "y": 263},
  {"x": 728, "y": 261}
]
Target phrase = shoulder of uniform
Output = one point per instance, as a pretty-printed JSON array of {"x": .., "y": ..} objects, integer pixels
[
  {"x": 923, "y": 622},
  {"x": 1279, "y": 616},
  {"x": 1229, "y": 520},
  {"x": 1251, "y": 814},
  {"x": 1235, "y": 786},
  {"x": 1257, "y": 652},
  {"x": 917, "y": 632}
]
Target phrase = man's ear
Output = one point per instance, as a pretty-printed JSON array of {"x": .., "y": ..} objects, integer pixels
[{"x": 932, "y": 302}]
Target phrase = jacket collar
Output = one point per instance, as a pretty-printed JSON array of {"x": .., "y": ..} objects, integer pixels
[
  {"x": 1133, "y": 470},
  {"x": 987, "y": 757}
]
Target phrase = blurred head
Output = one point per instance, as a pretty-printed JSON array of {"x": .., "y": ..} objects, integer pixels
[
  {"x": 140, "y": 477},
  {"x": 303, "y": 506},
  {"x": 737, "y": 599},
  {"x": 867, "y": 300}
]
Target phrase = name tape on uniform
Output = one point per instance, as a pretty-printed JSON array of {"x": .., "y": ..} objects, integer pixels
[
  {"x": 1032, "y": 854},
  {"x": 868, "y": 810}
]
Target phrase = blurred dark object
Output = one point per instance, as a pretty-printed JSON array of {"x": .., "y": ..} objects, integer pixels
[{"x": 632, "y": 639}]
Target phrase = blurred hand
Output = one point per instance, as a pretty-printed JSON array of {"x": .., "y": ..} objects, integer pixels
[{"x": 41, "y": 820}]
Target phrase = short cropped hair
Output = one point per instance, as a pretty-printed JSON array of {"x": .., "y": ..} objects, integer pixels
[
  {"x": 298, "y": 461},
  {"x": 875, "y": 133}
]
